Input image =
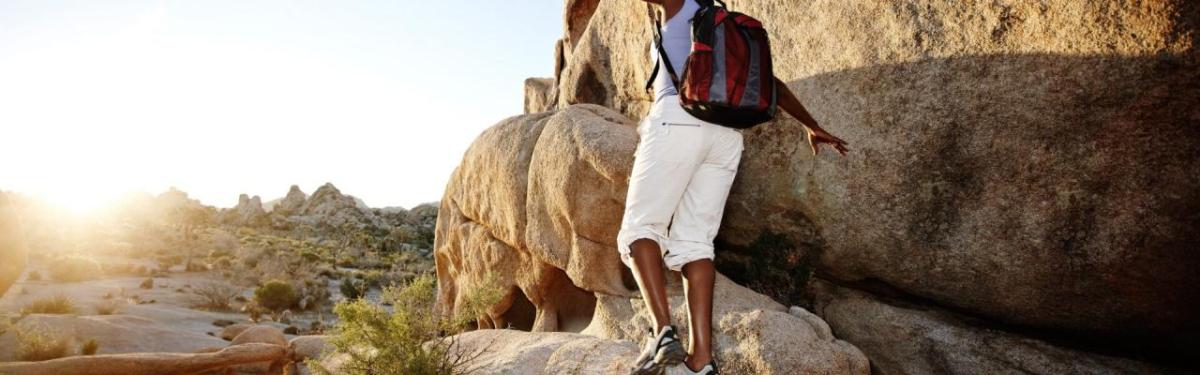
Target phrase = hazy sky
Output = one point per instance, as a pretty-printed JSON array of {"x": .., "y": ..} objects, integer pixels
[{"x": 222, "y": 97}]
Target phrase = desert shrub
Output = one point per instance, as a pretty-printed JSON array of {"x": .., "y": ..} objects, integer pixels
[
  {"x": 328, "y": 272},
  {"x": 89, "y": 348},
  {"x": 195, "y": 266},
  {"x": 73, "y": 269},
  {"x": 5, "y": 325},
  {"x": 375, "y": 278},
  {"x": 315, "y": 293},
  {"x": 345, "y": 261},
  {"x": 353, "y": 288},
  {"x": 214, "y": 295},
  {"x": 253, "y": 311},
  {"x": 34, "y": 276},
  {"x": 379, "y": 342},
  {"x": 108, "y": 307},
  {"x": 222, "y": 263},
  {"x": 40, "y": 344},
  {"x": 310, "y": 256},
  {"x": 276, "y": 295},
  {"x": 245, "y": 232},
  {"x": 59, "y": 304},
  {"x": 475, "y": 303},
  {"x": 165, "y": 262},
  {"x": 148, "y": 283}
]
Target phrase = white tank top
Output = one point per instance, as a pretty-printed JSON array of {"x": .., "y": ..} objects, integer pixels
[{"x": 677, "y": 40}]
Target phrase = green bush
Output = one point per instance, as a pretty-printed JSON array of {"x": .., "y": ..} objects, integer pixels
[
  {"x": 276, "y": 295},
  {"x": 378, "y": 342},
  {"x": 39, "y": 344},
  {"x": 59, "y": 304},
  {"x": 353, "y": 288},
  {"x": 73, "y": 269},
  {"x": 34, "y": 276}
]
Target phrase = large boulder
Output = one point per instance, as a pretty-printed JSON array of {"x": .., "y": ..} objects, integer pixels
[
  {"x": 1032, "y": 164},
  {"x": 515, "y": 208},
  {"x": 260, "y": 334},
  {"x": 537, "y": 202},
  {"x": 915, "y": 340},
  {"x": 539, "y": 94},
  {"x": 504, "y": 351},
  {"x": 115, "y": 334},
  {"x": 13, "y": 248},
  {"x": 220, "y": 361},
  {"x": 751, "y": 333}
]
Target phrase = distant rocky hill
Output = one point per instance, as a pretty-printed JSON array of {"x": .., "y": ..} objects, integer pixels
[{"x": 327, "y": 207}]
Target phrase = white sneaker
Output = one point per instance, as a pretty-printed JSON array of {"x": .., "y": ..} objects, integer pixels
[
  {"x": 661, "y": 351},
  {"x": 682, "y": 369}
]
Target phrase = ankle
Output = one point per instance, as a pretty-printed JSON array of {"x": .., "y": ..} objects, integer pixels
[{"x": 697, "y": 362}]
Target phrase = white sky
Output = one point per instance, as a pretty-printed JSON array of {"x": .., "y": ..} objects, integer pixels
[{"x": 222, "y": 97}]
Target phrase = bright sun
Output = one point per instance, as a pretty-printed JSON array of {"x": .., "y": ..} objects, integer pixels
[{"x": 77, "y": 201}]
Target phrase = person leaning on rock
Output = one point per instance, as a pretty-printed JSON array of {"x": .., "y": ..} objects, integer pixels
[{"x": 682, "y": 172}]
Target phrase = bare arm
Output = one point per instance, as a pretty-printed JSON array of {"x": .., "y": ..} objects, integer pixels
[
  {"x": 816, "y": 135},
  {"x": 670, "y": 7}
]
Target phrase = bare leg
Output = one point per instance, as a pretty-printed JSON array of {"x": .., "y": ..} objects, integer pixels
[
  {"x": 700, "y": 276},
  {"x": 648, "y": 261}
]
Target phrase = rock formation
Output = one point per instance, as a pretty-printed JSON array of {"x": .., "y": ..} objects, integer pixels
[
  {"x": 329, "y": 207},
  {"x": 12, "y": 244},
  {"x": 912, "y": 340},
  {"x": 539, "y": 94},
  {"x": 504, "y": 351},
  {"x": 483, "y": 226},
  {"x": 1018, "y": 170},
  {"x": 150, "y": 363},
  {"x": 537, "y": 202},
  {"x": 146, "y": 349},
  {"x": 752, "y": 334},
  {"x": 248, "y": 212},
  {"x": 289, "y": 204}
]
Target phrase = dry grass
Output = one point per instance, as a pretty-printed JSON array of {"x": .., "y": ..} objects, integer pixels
[
  {"x": 59, "y": 304},
  {"x": 109, "y": 307},
  {"x": 215, "y": 295},
  {"x": 41, "y": 344},
  {"x": 89, "y": 348}
]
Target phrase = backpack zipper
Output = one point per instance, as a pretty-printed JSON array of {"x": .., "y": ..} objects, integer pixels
[{"x": 679, "y": 124}]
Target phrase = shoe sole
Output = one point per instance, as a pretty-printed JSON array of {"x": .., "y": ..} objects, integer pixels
[{"x": 669, "y": 356}]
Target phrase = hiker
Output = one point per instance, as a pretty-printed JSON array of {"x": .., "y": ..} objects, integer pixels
[{"x": 684, "y": 167}]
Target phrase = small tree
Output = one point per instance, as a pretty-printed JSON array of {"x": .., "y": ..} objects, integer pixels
[
  {"x": 409, "y": 340},
  {"x": 276, "y": 295},
  {"x": 189, "y": 219}
]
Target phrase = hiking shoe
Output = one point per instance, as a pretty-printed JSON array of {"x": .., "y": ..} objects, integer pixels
[
  {"x": 682, "y": 369},
  {"x": 663, "y": 350}
]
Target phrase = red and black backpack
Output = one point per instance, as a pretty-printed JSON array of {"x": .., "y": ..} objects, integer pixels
[{"x": 727, "y": 79}]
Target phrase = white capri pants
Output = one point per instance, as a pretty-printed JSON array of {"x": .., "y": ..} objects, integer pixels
[{"x": 682, "y": 173}]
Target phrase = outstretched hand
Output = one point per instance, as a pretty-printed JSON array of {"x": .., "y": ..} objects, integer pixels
[{"x": 818, "y": 136}]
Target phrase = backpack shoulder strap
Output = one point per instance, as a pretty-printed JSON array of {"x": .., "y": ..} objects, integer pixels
[{"x": 656, "y": 25}]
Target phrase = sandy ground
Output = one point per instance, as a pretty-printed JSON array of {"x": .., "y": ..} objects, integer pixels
[{"x": 169, "y": 324}]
